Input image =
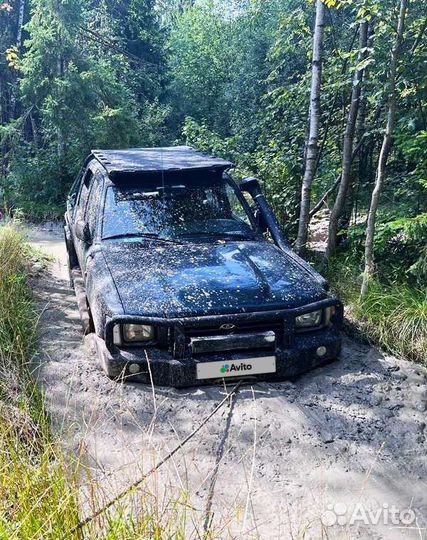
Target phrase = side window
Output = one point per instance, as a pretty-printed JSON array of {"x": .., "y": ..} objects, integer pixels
[
  {"x": 84, "y": 192},
  {"x": 237, "y": 207},
  {"x": 94, "y": 203},
  {"x": 72, "y": 195}
]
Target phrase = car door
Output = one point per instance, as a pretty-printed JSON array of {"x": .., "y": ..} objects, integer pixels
[{"x": 79, "y": 217}]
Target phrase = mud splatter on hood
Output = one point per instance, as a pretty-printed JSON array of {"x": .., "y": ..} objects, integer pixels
[{"x": 199, "y": 279}]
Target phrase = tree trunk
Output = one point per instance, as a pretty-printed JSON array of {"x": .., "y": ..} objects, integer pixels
[
  {"x": 314, "y": 119},
  {"x": 60, "y": 72},
  {"x": 13, "y": 105},
  {"x": 338, "y": 207},
  {"x": 35, "y": 133},
  {"x": 318, "y": 206},
  {"x": 384, "y": 153},
  {"x": 20, "y": 24},
  {"x": 360, "y": 134}
]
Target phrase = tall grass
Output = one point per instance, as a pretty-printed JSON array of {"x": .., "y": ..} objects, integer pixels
[
  {"x": 41, "y": 493},
  {"x": 394, "y": 315},
  {"x": 37, "y": 496},
  {"x": 17, "y": 313}
]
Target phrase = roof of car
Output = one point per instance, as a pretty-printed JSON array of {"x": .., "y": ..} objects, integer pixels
[{"x": 171, "y": 158}]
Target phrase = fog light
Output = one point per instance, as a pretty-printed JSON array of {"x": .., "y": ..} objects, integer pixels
[
  {"x": 321, "y": 351},
  {"x": 134, "y": 368}
]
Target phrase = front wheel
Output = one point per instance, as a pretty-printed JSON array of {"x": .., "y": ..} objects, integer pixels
[
  {"x": 72, "y": 261},
  {"x": 89, "y": 327},
  {"x": 70, "y": 271}
]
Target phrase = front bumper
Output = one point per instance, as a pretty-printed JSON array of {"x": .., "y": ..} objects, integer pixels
[
  {"x": 295, "y": 354},
  {"x": 162, "y": 369}
]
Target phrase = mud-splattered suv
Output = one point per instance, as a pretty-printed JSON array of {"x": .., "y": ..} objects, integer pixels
[{"x": 186, "y": 278}]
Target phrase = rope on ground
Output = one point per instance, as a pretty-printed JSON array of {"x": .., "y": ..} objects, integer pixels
[
  {"x": 208, "y": 516},
  {"x": 135, "y": 484}
]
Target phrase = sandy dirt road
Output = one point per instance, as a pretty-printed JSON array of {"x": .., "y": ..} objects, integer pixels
[{"x": 340, "y": 453}]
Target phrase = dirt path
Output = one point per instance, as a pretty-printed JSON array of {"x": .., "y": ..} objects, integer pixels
[{"x": 345, "y": 443}]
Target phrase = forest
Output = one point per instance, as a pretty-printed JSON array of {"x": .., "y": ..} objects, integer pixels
[{"x": 325, "y": 102}]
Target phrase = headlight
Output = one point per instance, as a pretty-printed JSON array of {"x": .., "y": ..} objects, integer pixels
[
  {"x": 314, "y": 318},
  {"x": 138, "y": 332}
]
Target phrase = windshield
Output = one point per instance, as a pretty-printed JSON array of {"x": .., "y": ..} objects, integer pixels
[{"x": 175, "y": 208}]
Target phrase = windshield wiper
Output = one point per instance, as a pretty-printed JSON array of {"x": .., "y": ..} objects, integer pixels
[
  {"x": 149, "y": 236},
  {"x": 220, "y": 236}
]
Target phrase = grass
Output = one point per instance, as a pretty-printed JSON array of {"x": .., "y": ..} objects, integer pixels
[
  {"x": 42, "y": 489},
  {"x": 397, "y": 318},
  {"x": 37, "y": 496},
  {"x": 393, "y": 316}
]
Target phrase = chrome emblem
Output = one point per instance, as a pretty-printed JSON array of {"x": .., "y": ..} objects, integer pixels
[{"x": 227, "y": 326}]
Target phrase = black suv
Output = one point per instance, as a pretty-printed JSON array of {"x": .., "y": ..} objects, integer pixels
[{"x": 186, "y": 278}]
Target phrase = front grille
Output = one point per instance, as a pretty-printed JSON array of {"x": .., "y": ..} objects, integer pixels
[
  {"x": 205, "y": 338},
  {"x": 233, "y": 342},
  {"x": 240, "y": 327}
]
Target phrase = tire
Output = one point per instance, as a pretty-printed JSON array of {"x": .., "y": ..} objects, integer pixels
[
  {"x": 72, "y": 255},
  {"x": 72, "y": 261},
  {"x": 70, "y": 275},
  {"x": 89, "y": 327},
  {"x": 105, "y": 361}
]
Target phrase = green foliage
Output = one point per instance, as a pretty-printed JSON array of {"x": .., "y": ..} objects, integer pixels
[
  {"x": 86, "y": 81},
  {"x": 199, "y": 65},
  {"x": 400, "y": 249},
  {"x": 200, "y": 136}
]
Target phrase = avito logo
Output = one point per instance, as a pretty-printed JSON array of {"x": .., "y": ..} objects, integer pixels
[{"x": 229, "y": 368}]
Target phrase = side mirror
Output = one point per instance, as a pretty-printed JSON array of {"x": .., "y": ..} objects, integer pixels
[{"x": 82, "y": 231}]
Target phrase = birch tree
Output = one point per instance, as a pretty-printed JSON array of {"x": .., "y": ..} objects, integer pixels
[
  {"x": 17, "y": 50},
  {"x": 347, "y": 152},
  {"x": 20, "y": 24},
  {"x": 385, "y": 150},
  {"x": 312, "y": 147}
]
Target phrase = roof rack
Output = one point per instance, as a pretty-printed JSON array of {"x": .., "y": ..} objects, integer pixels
[{"x": 162, "y": 159}]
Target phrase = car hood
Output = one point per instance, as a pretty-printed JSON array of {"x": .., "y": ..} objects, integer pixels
[{"x": 178, "y": 280}]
